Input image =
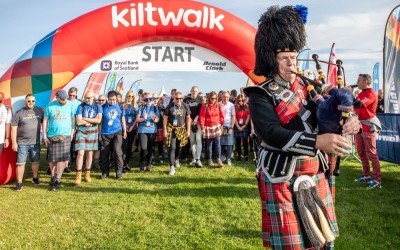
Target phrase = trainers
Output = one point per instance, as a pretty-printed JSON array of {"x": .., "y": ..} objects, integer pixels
[
  {"x": 55, "y": 186},
  {"x": 171, "y": 170},
  {"x": 125, "y": 169},
  {"x": 36, "y": 181},
  {"x": 210, "y": 163},
  {"x": 363, "y": 179},
  {"x": 193, "y": 163},
  {"x": 373, "y": 184},
  {"x": 18, "y": 187},
  {"x": 223, "y": 158},
  {"x": 198, "y": 164},
  {"x": 177, "y": 165},
  {"x": 229, "y": 162},
  {"x": 219, "y": 163}
]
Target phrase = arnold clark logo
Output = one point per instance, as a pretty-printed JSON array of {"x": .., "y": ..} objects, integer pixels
[
  {"x": 140, "y": 15},
  {"x": 106, "y": 65}
]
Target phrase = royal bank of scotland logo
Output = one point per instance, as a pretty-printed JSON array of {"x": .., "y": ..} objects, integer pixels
[{"x": 105, "y": 65}]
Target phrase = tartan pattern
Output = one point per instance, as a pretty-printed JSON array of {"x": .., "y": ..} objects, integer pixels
[
  {"x": 87, "y": 138},
  {"x": 160, "y": 134},
  {"x": 330, "y": 176},
  {"x": 180, "y": 134},
  {"x": 210, "y": 132},
  {"x": 280, "y": 226},
  {"x": 287, "y": 110},
  {"x": 59, "y": 151}
]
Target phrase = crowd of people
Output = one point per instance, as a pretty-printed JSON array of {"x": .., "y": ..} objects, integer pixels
[{"x": 104, "y": 131}]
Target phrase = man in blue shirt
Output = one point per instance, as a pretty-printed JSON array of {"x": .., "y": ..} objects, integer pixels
[
  {"x": 58, "y": 127},
  {"x": 113, "y": 130},
  {"x": 88, "y": 117}
]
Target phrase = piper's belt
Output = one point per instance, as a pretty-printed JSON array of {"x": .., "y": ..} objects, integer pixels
[{"x": 279, "y": 166}]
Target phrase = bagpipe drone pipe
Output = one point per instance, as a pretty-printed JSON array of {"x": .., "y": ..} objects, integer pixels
[{"x": 334, "y": 104}]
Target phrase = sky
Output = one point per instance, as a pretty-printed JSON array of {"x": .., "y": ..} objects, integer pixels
[{"x": 357, "y": 28}]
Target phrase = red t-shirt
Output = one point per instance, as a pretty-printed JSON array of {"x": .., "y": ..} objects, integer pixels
[
  {"x": 369, "y": 100},
  {"x": 241, "y": 116}
]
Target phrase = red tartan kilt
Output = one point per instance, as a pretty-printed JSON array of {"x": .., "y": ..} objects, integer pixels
[
  {"x": 212, "y": 131},
  {"x": 160, "y": 135},
  {"x": 280, "y": 226}
]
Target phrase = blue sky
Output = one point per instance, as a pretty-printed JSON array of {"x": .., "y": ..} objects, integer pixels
[{"x": 357, "y": 28}]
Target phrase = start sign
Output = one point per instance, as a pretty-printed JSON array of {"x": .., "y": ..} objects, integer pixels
[{"x": 163, "y": 56}]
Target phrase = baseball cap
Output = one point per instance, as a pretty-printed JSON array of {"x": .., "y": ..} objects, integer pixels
[{"x": 62, "y": 94}]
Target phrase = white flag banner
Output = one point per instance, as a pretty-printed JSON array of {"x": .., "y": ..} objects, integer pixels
[{"x": 163, "y": 56}]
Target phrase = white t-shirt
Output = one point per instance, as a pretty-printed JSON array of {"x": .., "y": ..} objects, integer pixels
[
  {"x": 228, "y": 110},
  {"x": 5, "y": 117}
]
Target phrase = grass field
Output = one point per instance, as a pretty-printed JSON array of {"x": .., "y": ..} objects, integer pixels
[{"x": 204, "y": 208}]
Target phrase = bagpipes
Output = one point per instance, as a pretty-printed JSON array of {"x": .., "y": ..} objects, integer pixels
[{"x": 335, "y": 103}]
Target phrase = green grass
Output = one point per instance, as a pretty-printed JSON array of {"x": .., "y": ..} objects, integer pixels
[{"x": 197, "y": 208}]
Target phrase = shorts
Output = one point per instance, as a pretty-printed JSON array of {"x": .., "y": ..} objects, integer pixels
[{"x": 32, "y": 150}]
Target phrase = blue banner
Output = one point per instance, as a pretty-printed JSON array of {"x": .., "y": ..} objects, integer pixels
[
  {"x": 388, "y": 142},
  {"x": 375, "y": 77}
]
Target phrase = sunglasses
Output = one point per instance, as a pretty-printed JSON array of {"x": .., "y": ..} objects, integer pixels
[
  {"x": 178, "y": 98},
  {"x": 148, "y": 99},
  {"x": 31, "y": 101}
]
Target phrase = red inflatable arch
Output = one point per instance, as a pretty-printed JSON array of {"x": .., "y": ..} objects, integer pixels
[{"x": 64, "y": 53}]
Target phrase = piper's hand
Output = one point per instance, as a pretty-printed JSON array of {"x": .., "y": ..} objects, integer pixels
[
  {"x": 317, "y": 97},
  {"x": 352, "y": 126},
  {"x": 333, "y": 144}
]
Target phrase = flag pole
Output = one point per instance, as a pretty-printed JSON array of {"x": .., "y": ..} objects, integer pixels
[
  {"x": 139, "y": 80},
  {"x": 330, "y": 57}
]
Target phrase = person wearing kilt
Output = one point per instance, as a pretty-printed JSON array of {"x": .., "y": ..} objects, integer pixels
[
  {"x": 88, "y": 118},
  {"x": 228, "y": 109},
  {"x": 130, "y": 110},
  {"x": 58, "y": 130},
  {"x": 241, "y": 131},
  {"x": 211, "y": 120},
  {"x": 296, "y": 202}
]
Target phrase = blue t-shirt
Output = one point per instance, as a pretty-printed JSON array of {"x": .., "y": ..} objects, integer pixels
[
  {"x": 148, "y": 126},
  {"x": 111, "y": 123},
  {"x": 86, "y": 110},
  {"x": 60, "y": 118},
  {"x": 75, "y": 103},
  {"x": 130, "y": 115}
]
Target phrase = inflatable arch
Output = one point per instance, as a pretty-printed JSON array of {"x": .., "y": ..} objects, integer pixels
[{"x": 61, "y": 55}]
